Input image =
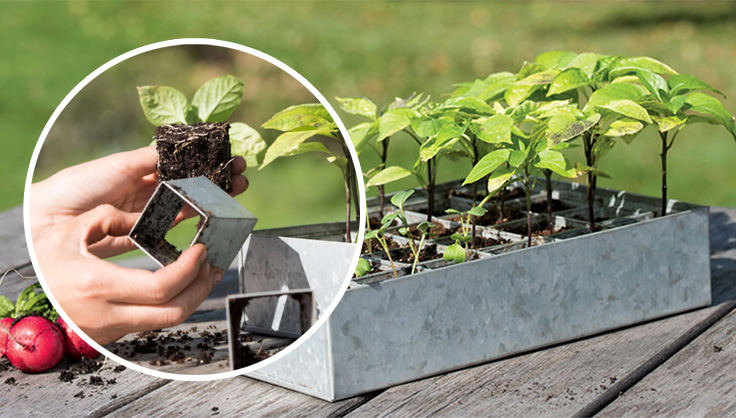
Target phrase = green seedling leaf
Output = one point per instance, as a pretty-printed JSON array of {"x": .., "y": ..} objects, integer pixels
[
  {"x": 454, "y": 253},
  {"x": 492, "y": 87},
  {"x": 7, "y": 308},
  {"x": 495, "y": 129},
  {"x": 163, "y": 105},
  {"x": 310, "y": 114},
  {"x": 498, "y": 179},
  {"x": 388, "y": 175},
  {"x": 362, "y": 133},
  {"x": 487, "y": 164},
  {"x": 631, "y": 65},
  {"x": 683, "y": 83},
  {"x": 217, "y": 99},
  {"x": 399, "y": 198},
  {"x": 601, "y": 148},
  {"x": 394, "y": 121},
  {"x": 569, "y": 79},
  {"x": 540, "y": 78},
  {"x": 371, "y": 234},
  {"x": 627, "y": 108},
  {"x": 517, "y": 157},
  {"x": 339, "y": 162},
  {"x": 461, "y": 238},
  {"x": 359, "y": 106},
  {"x": 667, "y": 123},
  {"x": 623, "y": 127},
  {"x": 453, "y": 211},
  {"x": 556, "y": 161},
  {"x": 555, "y": 59},
  {"x": 472, "y": 103},
  {"x": 517, "y": 93},
  {"x": 306, "y": 147},
  {"x": 477, "y": 211},
  {"x": 612, "y": 92},
  {"x": 655, "y": 84},
  {"x": 246, "y": 142},
  {"x": 425, "y": 226},
  {"x": 288, "y": 141},
  {"x": 587, "y": 62},
  {"x": 363, "y": 267},
  {"x": 712, "y": 107},
  {"x": 564, "y": 127}
]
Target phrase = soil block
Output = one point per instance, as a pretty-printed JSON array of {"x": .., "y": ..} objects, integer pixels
[{"x": 202, "y": 149}]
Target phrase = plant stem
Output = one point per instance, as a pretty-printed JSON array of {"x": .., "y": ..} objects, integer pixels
[
  {"x": 663, "y": 156},
  {"x": 347, "y": 209},
  {"x": 388, "y": 254},
  {"x": 381, "y": 188},
  {"x": 527, "y": 188},
  {"x": 588, "y": 144},
  {"x": 416, "y": 256},
  {"x": 382, "y": 197},
  {"x": 503, "y": 200},
  {"x": 548, "y": 177},
  {"x": 430, "y": 191}
]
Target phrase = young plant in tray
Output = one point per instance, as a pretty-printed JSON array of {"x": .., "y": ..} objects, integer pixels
[
  {"x": 398, "y": 200},
  {"x": 458, "y": 251},
  {"x": 376, "y": 135},
  {"x": 193, "y": 139},
  {"x": 304, "y": 127},
  {"x": 673, "y": 104},
  {"x": 380, "y": 236}
]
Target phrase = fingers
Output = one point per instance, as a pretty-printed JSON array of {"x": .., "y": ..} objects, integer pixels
[
  {"x": 239, "y": 183},
  {"x": 237, "y": 166},
  {"x": 111, "y": 246},
  {"x": 177, "y": 310},
  {"x": 142, "y": 287},
  {"x": 134, "y": 164},
  {"x": 104, "y": 221}
]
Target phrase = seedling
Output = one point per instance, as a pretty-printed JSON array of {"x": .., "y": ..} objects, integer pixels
[
  {"x": 313, "y": 122},
  {"x": 458, "y": 251},
  {"x": 380, "y": 236},
  {"x": 193, "y": 139},
  {"x": 363, "y": 267}
]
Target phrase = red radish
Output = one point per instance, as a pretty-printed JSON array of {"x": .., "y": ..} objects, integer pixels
[
  {"x": 74, "y": 346},
  {"x": 35, "y": 344},
  {"x": 5, "y": 325}
]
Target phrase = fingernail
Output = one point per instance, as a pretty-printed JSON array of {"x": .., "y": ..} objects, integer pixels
[
  {"x": 203, "y": 254},
  {"x": 217, "y": 277}
]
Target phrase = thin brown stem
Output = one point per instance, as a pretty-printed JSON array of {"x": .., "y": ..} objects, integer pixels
[{"x": 548, "y": 178}]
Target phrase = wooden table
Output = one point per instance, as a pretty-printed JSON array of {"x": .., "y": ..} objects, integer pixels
[{"x": 682, "y": 365}]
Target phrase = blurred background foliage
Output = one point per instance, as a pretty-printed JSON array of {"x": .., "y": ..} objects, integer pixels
[{"x": 380, "y": 50}]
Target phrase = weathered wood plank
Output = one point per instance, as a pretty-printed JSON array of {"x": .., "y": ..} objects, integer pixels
[
  {"x": 697, "y": 381},
  {"x": 45, "y": 395},
  {"x": 232, "y": 397}
]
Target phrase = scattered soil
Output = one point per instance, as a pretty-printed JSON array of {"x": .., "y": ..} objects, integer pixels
[
  {"x": 202, "y": 149},
  {"x": 177, "y": 347}
]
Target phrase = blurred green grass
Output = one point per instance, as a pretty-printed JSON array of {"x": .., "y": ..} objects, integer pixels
[{"x": 379, "y": 50}]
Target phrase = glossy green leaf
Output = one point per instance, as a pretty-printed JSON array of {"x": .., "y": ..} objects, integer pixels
[
  {"x": 712, "y": 107},
  {"x": 611, "y": 92},
  {"x": 246, "y": 142},
  {"x": 361, "y": 134},
  {"x": 371, "y": 234},
  {"x": 310, "y": 114},
  {"x": 555, "y": 59},
  {"x": 493, "y": 86},
  {"x": 540, "y": 78},
  {"x": 425, "y": 226},
  {"x": 217, "y": 99},
  {"x": 388, "y": 175},
  {"x": 399, "y": 198},
  {"x": 472, "y": 103},
  {"x": 363, "y": 267},
  {"x": 163, "y": 105},
  {"x": 495, "y": 129},
  {"x": 587, "y": 62},
  {"x": 627, "y": 108},
  {"x": 654, "y": 83},
  {"x": 289, "y": 141},
  {"x": 683, "y": 83},
  {"x": 630, "y": 65},
  {"x": 359, "y": 106},
  {"x": 564, "y": 127},
  {"x": 454, "y": 253},
  {"x": 487, "y": 164},
  {"x": 339, "y": 162},
  {"x": 515, "y": 94},
  {"x": 569, "y": 79},
  {"x": 517, "y": 157},
  {"x": 623, "y": 127},
  {"x": 667, "y": 123},
  {"x": 394, "y": 121},
  {"x": 457, "y": 237},
  {"x": 498, "y": 179},
  {"x": 477, "y": 211},
  {"x": 556, "y": 161}
]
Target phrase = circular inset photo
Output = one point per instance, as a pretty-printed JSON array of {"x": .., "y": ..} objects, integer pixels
[{"x": 192, "y": 209}]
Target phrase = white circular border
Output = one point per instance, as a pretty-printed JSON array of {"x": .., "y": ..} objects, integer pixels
[{"x": 105, "y": 67}]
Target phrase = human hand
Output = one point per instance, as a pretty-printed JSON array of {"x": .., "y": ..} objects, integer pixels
[
  {"x": 108, "y": 301},
  {"x": 124, "y": 180}
]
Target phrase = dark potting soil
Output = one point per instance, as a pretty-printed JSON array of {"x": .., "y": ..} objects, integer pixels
[
  {"x": 373, "y": 270},
  {"x": 179, "y": 346},
  {"x": 376, "y": 246},
  {"x": 404, "y": 255},
  {"x": 202, "y": 149},
  {"x": 540, "y": 227}
]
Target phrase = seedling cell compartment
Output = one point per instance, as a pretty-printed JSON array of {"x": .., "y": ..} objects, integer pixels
[
  {"x": 387, "y": 332},
  {"x": 225, "y": 224}
]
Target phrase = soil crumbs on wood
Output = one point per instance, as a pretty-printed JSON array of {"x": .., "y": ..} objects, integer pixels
[{"x": 202, "y": 149}]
